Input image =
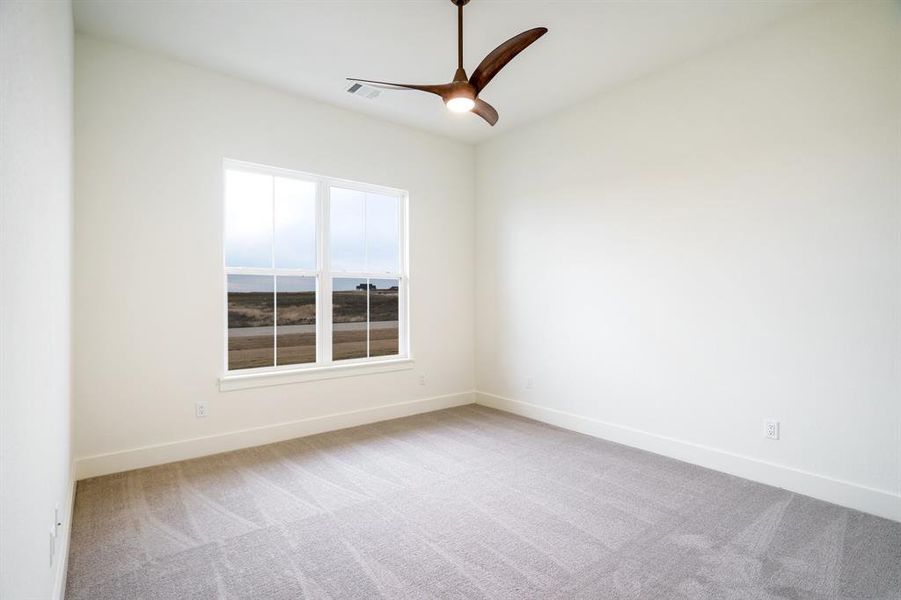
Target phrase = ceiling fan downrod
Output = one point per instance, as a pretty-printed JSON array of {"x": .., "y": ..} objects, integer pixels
[{"x": 460, "y": 75}]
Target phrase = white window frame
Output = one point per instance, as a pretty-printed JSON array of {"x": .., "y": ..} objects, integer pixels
[{"x": 325, "y": 366}]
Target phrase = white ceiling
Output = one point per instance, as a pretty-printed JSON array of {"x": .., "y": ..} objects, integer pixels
[{"x": 308, "y": 47}]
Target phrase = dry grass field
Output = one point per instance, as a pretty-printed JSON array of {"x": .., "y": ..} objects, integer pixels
[
  {"x": 350, "y": 307},
  {"x": 246, "y": 352},
  {"x": 257, "y": 309},
  {"x": 352, "y": 344},
  {"x": 296, "y": 348}
]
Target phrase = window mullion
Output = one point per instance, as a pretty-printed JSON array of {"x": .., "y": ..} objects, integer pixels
[
  {"x": 365, "y": 240},
  {"x": 324, "y": 318},
  {"x": 368, "y": 315},
  {"x": 274, "y": 286},
  {"x": 403, "y": 216}
]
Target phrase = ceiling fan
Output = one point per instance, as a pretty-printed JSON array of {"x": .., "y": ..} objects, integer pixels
[{"x": 462, "y": 94}]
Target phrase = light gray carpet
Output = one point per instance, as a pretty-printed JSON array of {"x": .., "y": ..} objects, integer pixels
[{"x": 465, "y": 503}]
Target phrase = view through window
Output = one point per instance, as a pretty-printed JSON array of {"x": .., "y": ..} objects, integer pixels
[{"x": 314, "y": 270}]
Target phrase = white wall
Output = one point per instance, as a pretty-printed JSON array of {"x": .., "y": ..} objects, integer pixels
[
  {"x": 35, "y": 283},
  {"x": 150, "y": 137},
  {"x": 709, "y": 247}
]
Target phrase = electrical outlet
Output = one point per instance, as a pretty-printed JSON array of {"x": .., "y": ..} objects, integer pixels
[
  {"x": 54, "y": 533},
  {"x": 200, "y": 409},
  {"x": 422, "y": 380},
  {"x": 529, "y": 383},
  {"x": 771, "y": 430}
]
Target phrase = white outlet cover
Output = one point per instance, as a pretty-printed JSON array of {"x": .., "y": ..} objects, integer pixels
[{"x": 771, "y": 430}]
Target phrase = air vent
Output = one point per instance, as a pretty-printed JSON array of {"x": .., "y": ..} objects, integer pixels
[{"x": 365, "y": 91}]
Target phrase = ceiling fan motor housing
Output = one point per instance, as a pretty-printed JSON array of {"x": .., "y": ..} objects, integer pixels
[{"x": 461, "y": 89}]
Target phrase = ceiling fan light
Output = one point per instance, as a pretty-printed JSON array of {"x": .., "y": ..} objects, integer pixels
[{"x": 460, "y": 104}]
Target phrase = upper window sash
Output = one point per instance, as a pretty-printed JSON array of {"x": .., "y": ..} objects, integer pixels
[{"x": 322, "y": 231}]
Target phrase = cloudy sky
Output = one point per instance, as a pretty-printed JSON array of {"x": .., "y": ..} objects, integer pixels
[{"x": 267, "y": 215}]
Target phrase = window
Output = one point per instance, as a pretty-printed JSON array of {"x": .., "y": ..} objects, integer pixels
[{"x": 315, "y": 271}]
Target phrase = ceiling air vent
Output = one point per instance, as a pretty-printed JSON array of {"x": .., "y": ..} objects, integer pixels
[{"x": 365, "y": 91}]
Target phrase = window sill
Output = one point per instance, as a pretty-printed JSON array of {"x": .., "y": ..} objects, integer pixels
[{"x": 228, "y": 383}]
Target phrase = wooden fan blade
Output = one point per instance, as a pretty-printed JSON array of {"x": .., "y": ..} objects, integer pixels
[
  {"x": 439, "y": 89},
  {"x": 486, "y": 111},
  {"x": 498, "y": 58}
]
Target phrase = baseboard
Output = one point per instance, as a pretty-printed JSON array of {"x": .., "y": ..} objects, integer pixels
[
  {"x": 146, "y": 456},
  {"x": 63, "y": 537},
  {"x": 845, "y": 493}
]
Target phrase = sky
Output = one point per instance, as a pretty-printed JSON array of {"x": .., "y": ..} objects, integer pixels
[
  {"x": 268, "y": 215},
  {"x": 263, "y": 283}
]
